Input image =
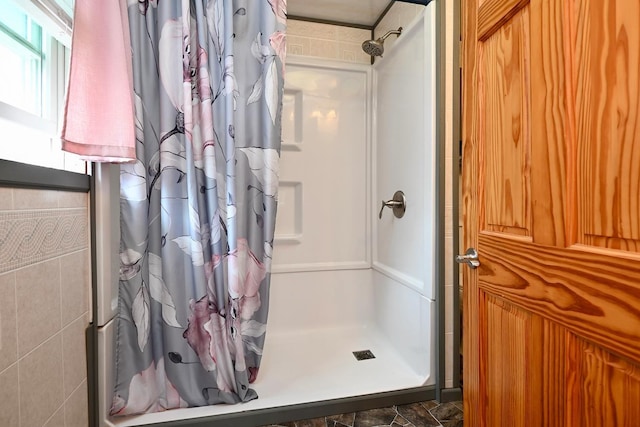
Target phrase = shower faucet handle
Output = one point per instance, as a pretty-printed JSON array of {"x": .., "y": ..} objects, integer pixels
[{"x": 398, "y": 204}]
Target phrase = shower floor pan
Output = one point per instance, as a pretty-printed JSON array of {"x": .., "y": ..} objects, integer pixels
[{"x": 310, "y": 366}]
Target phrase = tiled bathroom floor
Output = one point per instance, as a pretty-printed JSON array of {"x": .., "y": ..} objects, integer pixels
[{"x": 421, "y": 414}]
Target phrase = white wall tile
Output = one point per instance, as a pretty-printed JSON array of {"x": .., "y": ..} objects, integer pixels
[
  {"x": 353, "y": 35},
  {"x": 312, "y": 30},
  {"x": 448, "y": 300},
  {"x": 41, "y": 227},
  {"x": 352, "y": 52},
  {"x": 67, "y": 199},
  {"x": 38, "y": 296},
  {"x": 41, "y": 383},
  {"x": 450, "y": 222},
  {"x": 297, "y": 45},
  {"x": 8, "y": 321},
  {"x": 6, "y": 198},
  {"x": 75, "y": 285},
  {"x": 448, "y": 356},
  {"x": 323, "y": 48},
  {"x": 326, "y": 41},
  {"x": 9, "y": 399},
  {"x": 57, "y": 419},
  {"x": 34, "y": 199},
  {"x": 73, "y": 350},
  {"x": 76, "y": 413}
]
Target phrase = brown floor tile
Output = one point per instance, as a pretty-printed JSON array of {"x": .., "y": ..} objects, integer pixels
[
  {"x": 401, "y": 421},
  {"x": 342, "y": 420},
  {"x": 429, "y": 404},
  {"x": 422, "y": 414},
  {"x": 315, "y": 422},
  {"x": 447, "y": 412},
  {"x": 417, "y": 414},
  {"x": 375, "y": 417}
]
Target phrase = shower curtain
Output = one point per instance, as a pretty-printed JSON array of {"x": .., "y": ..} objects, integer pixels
[{"x": 198, "y": 205}]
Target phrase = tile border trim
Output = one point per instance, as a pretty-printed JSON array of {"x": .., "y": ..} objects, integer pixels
[{"x": 31, "y": 236}]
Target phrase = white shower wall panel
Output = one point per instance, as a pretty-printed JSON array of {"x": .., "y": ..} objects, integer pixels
[
  {"x": 308, "y": 301},
  {"x": 106, "y": 370},
  {"x": 323, "y": 208},
  {"x": 404, "y": 122},
  {"x": 407, "y": 320},
  {"x": 107, "y": 217}
]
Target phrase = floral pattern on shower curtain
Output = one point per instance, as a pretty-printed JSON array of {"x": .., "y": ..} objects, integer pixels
[{"x": 198, "y": 206}]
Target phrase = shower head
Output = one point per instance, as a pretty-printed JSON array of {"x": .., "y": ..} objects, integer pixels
[
  {"x": 376, "y": 47},
  {"x": 373, "y": 47}
]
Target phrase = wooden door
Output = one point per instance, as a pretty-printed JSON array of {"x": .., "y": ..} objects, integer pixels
[{"x": 551, "y": 201}]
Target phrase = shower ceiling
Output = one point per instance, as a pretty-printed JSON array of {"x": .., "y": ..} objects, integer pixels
[{"x": 361, "y": 12}]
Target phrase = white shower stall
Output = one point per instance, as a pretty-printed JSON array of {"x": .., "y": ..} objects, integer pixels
[{"x": 343, "y": 279}]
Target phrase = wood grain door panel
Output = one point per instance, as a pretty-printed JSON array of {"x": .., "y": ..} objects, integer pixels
[
  {"x": 562, "y": 285},
  {"x": 551, "y": 200},
  {"x": 504, "y": 128},
  {"x": 606, "y": 98},
  {"x": 508, "y": 360},
  {"x": 603, "y": 389}
]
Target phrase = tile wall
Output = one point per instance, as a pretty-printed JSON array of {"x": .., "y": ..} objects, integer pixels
[
  {"x": 400, "y": 15},
  {"x": 327, "y": 41},
  {"x": 450, "y": 222},
  {"x": 44, "y": 307}
]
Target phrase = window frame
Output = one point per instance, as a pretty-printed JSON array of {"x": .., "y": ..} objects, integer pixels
[{"x": 54, "y": 64}]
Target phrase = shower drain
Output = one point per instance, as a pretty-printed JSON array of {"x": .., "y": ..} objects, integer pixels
[{"x": 363, "y": 355}]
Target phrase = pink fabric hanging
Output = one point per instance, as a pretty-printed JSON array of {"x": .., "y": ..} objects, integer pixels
[{"x": 99, "y": 114}]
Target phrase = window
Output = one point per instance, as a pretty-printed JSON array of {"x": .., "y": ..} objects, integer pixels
[{"x": 34, "y": 55}]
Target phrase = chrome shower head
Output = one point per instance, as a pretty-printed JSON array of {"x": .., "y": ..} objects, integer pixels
[
  {"x": 373, "y": 47},
  {"x": 376, "y": 47}
]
